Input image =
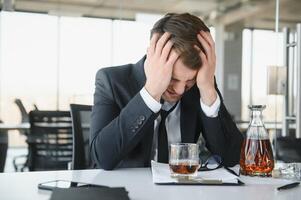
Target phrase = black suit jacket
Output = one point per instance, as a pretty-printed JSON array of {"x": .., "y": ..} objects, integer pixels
[{"x": 122, "y": 125}]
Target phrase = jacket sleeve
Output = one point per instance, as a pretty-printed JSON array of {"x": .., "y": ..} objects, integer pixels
[
  {"x": 115, "y": 131},
  {"x": 222, "y": 136}
]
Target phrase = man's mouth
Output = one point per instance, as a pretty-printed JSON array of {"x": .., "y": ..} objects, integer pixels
[{"x": 172, "y": 93}]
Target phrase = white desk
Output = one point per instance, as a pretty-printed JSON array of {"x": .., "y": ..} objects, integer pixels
[
  {"x": 139, "y": 184},
  {"x": 8, "y": 127},
  {"x": 26, "y": 126}
]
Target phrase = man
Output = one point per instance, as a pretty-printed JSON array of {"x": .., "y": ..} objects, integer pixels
[{"x": 169, "y": 96}]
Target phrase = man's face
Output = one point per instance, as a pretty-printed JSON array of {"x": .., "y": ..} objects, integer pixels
[{"x": 183, "y": 78}]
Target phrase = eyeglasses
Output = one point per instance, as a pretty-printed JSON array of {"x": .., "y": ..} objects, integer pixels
[{"x": 212, "y": 163}]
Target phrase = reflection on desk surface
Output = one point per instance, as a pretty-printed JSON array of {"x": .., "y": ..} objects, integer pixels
[{"x": 138, "y": 182}]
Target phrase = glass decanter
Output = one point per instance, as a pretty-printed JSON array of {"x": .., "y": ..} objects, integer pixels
[{"x": 256, "y": 157}]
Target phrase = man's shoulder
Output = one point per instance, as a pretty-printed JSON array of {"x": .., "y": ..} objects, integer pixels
[{"x": 114, "y": 72}]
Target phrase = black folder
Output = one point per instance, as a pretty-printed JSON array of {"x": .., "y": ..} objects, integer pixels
[{"x": 91, "y": 193}]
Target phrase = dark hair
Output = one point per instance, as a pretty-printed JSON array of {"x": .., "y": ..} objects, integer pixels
[{"x": 184, "y": 29}]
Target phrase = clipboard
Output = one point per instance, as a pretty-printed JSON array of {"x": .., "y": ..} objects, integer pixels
[
  {"x": 205, "y": 183},
  {"x": 219, "y": 177}
]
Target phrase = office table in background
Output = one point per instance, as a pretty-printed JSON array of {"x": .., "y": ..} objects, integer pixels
[
  {"x": 8, "y": 127},
  {"x": 26, "y": 126},
  {"x": 138, "y": 181}
]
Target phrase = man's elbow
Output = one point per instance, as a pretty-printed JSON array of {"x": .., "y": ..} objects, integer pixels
[
  {"x": 100, "y": 159},
  {"x": 107, "y": 166}
]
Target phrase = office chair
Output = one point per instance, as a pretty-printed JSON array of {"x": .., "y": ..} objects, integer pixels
[
  {"x": 3, "y": 148},
  {"x": 21, "y": 165},
  {"x": 24, "y": 113},
  {"x": 35, "y": 107},
  {"x": 288, "y": 149},
  {"x": 80, "y": 115},
  {"x": 49, "y": 141}
]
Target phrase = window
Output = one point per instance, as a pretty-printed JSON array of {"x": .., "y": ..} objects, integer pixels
[
  {"x": 52, "y": 61},
  {"x": 84, "y": 46},
  {"x": 130, "y": 41},
  {"x": 267, "y": 51},
  {"x": 28, "y": 62}
]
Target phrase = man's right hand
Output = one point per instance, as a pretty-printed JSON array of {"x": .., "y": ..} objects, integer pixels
[{"x": 159, "y": 64}]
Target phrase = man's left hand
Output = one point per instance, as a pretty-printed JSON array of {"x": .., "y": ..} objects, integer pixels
[{"x": 205, "y": 76}]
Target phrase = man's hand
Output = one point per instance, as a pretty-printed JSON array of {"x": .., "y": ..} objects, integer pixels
[
  {"x": 159, "y": 65},
  {"x": 205, "y": 76}
]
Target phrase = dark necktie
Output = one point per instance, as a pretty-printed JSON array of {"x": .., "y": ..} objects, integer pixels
[{"x": 162, "y": 136}]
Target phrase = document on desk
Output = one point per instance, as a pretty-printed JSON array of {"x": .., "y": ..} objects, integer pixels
[{"x": 161, "y": 175}]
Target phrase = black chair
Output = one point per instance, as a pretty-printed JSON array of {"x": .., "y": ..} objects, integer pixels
[
  {"x": 3, "y": 148},
  {"x": 288, "y": 149},
  {"x": 49, "y": 140},
  {"x": 24, "y": 113},
  {"x": 80, "y": 115},
  {"x": 18, "y": 161}
]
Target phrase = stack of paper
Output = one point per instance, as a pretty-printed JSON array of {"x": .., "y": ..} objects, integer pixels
[{"x": 162, "y": 175}]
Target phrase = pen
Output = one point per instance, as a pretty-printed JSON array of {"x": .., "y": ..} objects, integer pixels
[
  {"x": 231, "y": 171},
  {"x": 288, "y": 186}
]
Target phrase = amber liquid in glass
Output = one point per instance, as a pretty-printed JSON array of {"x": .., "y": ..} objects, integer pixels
[
  {"x": 256, "y": 158},
  {"x": 184, "y": 168}
]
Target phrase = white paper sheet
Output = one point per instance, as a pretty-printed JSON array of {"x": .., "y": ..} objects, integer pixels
[{"x": 161, "y": 174}]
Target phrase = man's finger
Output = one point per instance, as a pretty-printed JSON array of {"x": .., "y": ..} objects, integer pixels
[
  {"x": 173, "y": 56},
  {"x": 197, "y": 48},
  {"x": 203, "y": 57},
  {"x": 161, "y": 42},
  {"x": 153, "y": 42},
  {"x": 205, "y": 45},
  {"x": 207, "y": 36},
  {"x": 166, "y": 50}
]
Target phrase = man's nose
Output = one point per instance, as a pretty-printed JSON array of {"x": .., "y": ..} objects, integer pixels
[{"x": 179, "y": 88}]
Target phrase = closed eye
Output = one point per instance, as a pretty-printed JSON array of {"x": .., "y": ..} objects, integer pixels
[{"x": 189, "y": 81}]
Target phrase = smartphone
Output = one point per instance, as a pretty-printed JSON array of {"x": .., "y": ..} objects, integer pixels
[{"x": 50, "y": 185}]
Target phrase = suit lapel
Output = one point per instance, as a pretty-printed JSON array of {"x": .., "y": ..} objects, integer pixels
[{"x": 189, "y": 111}]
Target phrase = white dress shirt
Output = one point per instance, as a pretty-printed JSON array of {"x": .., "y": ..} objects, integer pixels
[{"x": 172, "y": 123}]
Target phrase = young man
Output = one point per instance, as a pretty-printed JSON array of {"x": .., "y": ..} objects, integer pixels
[{"x": 169, "y": 96}]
